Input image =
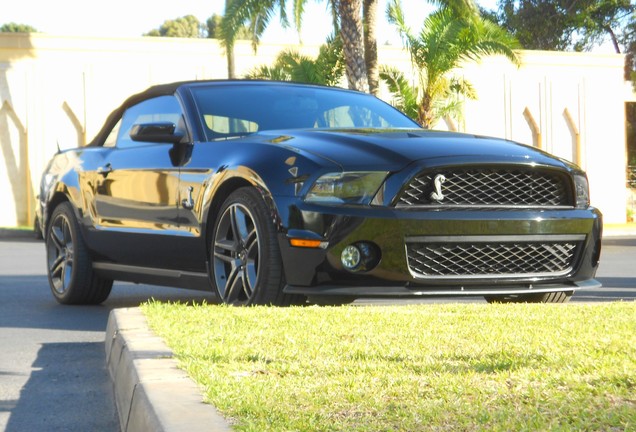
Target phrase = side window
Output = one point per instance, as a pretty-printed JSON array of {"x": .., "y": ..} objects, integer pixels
[
  {"x": 159, "y": 109},
  {"x": 111, "y": 139}
]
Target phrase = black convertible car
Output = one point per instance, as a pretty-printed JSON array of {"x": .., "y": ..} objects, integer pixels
[{"x": 279, "y": 193}]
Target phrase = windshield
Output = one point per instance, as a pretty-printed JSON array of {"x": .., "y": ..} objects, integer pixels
[{"x": 236, "y": 110}]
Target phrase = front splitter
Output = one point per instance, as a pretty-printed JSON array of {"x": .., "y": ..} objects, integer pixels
[{"x": 420, "y": 291}]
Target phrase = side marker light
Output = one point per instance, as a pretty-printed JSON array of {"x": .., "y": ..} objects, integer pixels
[{"x": 305, "y": 243}]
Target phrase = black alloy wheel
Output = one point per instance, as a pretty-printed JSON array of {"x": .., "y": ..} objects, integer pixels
[
  {"x": 69, "y": 268},
  {"x": 246, "y": 263}
]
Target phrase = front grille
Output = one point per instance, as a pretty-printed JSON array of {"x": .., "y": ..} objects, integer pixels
[
  {"x": 507, "y": 187},
  {"x": 491, "y": 256}
]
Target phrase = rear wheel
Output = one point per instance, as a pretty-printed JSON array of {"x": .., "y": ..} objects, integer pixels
[
  {"x": 247, "y": 267},
  {"x": 69, "y": 266},
  {"x": 553, "y": 297}
]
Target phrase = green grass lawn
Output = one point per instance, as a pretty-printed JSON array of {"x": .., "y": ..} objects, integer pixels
[{"x": 407, "y": 368}]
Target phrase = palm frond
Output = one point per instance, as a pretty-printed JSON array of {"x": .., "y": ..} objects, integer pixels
[
  {"x": 461, "y": 86},
  {"x": 330, "y": 61},
  {"x": 258, "y": 24},
  {"x": 484, "y": 38},
  {"x": 256, "y": 13},
  {"x": 282, "y": 10},
  {"x": 451, "y": 107},
  {"x": 395, "y": 16},
  {"x": 290, "y": 65},
  {"x": 464, "y": 9},
  {"x": 403, "y": 93},
  {"x": 265, "y": 72},
  {"x": 299, "y": 10}
]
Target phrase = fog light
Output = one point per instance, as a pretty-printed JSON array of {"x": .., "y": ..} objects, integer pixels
[
  {"x": 351, "y": 257},
  {"x": 360, "y": 256}
]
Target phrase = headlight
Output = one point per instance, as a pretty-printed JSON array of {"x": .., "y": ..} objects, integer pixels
[
  {"x": 582, "y": 191},
  {"x": 346, "y": 187}
]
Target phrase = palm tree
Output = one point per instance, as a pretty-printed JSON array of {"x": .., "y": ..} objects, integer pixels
[
  {"x": 462, "y": 8},
  {"x": 347, "y": 20},
  {"x": 356, "y": 32},
  {"x": 328, "y": 68},
  {"x": 258, "y": 13},
  {"x": 445, "y": 41}
]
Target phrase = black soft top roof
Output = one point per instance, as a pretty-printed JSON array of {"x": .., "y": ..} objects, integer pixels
[
  {"x": 149, "y": 93},
  {"x": 170, "y": 89}
]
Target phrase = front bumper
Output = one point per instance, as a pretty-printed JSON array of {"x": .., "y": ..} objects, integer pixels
[{"x": 319, "y": 271}]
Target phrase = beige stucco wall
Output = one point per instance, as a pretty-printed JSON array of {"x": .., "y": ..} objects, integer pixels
[{"x": 57, "y": 90}]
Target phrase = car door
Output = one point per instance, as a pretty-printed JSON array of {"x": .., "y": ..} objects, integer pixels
[{"x": 134, "y": 191}]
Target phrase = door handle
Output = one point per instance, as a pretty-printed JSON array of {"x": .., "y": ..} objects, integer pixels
[
  {"x": 105, "y": 170},
  {"x": 188, "y": 203}
]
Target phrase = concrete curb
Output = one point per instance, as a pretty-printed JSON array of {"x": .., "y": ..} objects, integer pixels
[
  {"x": 619, "y": 229},
  {"x": 151, "y": 393}
]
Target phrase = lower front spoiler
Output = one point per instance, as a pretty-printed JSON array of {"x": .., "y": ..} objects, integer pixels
[{"x": 419, "y": 291}]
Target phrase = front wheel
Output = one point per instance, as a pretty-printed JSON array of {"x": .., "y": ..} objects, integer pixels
[
  {"x": 69, "y": 266},
  {"x": 246, "y": 264},
  {"x": 553, "y": 297}
]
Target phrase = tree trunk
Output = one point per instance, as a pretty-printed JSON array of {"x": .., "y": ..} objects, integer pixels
[
  {"x": 228, "y": 34},
  {"x": 229, "y": 53},
  {"x": 351, "y": 33},
  {"x": 369, "y": 12},
  {"x": 424, "y": 112},
  {"x": 610, "y": 31}
]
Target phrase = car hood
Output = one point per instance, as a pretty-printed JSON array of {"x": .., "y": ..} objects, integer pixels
[{"x": 364, "y": 149}]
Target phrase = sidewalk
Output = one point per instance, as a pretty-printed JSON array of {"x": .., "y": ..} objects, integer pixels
[{"x": 619, "y": 230}]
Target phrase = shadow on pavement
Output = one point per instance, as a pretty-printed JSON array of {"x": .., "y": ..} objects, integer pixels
[
  {"x": 28, "y": 303},
  {"x": 68, "y": 380},
  {"x": 7, "y": 234},
  {"x": 618, "y": 282}
]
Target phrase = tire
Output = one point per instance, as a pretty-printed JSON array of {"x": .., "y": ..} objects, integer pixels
[
  {"x": 246, "y": 265},
  {"x": 69, "y": 266},
  {"x": 37, "y": 232},
  {"x": 553, "y": 297}
]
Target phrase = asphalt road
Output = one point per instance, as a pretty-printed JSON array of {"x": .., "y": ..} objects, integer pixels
[
  {"x": 53, "y": 374},
  {"x": 52, "y": 366}
]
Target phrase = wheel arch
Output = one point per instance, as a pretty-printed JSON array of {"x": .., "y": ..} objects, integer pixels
[
  {"x": 224, "y": 190},
  {"x": 55, "y": 200}
]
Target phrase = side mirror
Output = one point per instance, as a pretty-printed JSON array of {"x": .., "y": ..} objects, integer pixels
[{"x": 161, "y": 132}]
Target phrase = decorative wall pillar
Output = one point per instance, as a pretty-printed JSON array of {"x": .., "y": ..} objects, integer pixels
[{"x": 16, "y": 164}]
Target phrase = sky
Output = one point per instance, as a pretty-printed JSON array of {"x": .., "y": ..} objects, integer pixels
[{"x": 131, "y": 18}]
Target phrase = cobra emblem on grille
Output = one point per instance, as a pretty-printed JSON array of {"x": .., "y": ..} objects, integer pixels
[{"x": 438, "y": 182}]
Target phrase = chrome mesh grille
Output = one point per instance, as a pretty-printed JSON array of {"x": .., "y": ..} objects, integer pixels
[
  {"x": 458, "y": 259},
  {"x": 487, "y": 187}
]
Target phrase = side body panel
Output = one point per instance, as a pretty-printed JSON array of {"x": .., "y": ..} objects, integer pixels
[{"x": 132, "y": 204}]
